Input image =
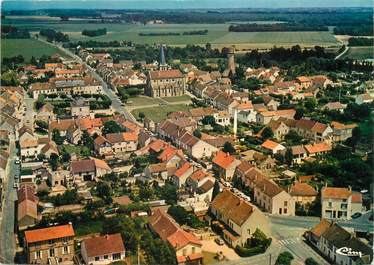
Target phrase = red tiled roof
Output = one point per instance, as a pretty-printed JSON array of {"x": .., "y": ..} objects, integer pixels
[
  {"x": 82, "y": 166},
  {"x": 103, "y": 245},
  {"x": 49, "y": 233},
  {"x": 165, "y": 74},
  {"x": 302, "y": 189},
  {"x": 183, "y": 169},
  {"x": 224, "y": 160},
  {"x": 269, "y": 144},
  {"x": 317, "y": 148},
  {"x": 356, "y": 197},
  {"x": 335, "y": 193}
]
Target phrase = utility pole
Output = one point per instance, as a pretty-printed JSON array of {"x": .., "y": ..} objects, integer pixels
[{"x": 270, "y": 259}]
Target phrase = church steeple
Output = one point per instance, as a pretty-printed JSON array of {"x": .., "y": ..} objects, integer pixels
[{"x": 163, "y": 65}]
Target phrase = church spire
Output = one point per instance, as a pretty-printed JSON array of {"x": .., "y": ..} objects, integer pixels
[{"x": 163, "y": 65}]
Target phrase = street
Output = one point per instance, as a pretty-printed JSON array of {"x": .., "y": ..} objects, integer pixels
[
  {"x": 7, "y": 234},
  {"x": 116, "y": 102}
]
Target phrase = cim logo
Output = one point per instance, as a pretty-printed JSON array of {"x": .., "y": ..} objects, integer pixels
[{"x": 345, "y": 251}]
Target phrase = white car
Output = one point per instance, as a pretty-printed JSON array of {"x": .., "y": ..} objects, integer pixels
[
  {"x": 18, "y": 161},
  {"x": 16, "y": 185}
]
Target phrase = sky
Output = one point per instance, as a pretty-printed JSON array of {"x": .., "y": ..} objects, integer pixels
[{"x": 178, "y": 4}]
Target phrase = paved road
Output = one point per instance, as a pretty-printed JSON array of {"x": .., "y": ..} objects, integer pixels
[
  {"x": 30, "y": 112},
  {"x": 7, "y": 234},
  {"x": 116, "y": 102},
  {"x": 342, "y": 53}
]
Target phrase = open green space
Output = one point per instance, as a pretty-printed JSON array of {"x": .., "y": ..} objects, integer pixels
[
  {"x": 73, "y": 149},
  {"x": 158, "y": 114},
  {"x": 27, "y": 48},
  {"x": 360, "y": 53},
  {"x": 218, "y": 34},
  {"x": 177, "y": 99},
  {"x": 142, "y": 101}
]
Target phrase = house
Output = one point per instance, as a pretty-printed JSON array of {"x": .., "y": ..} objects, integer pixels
[
  {"x": 265, "y": 117},
  {"x": 224, "y": 165},
  {"x": 304, "y": 81},
  {"x": 363, "y": 99},
  {"x": 279, "y": 129},
  {"x": 102, "y": 250},
  {"x": 103, "y": 147},
  {"x": 272, "y": 198},
  {"x": 298, "y": 154},
  {"x": 80, "y": 109},
  {"x": 27, "y": 209},
  {"x": 335, "y": 106},
  {"x": 159, "y": 173},
  {"x": 89, "y": 169},
  {"x": 342, "y": 132},
  {"x": 222, "y": 118},
  {"x": 188, "y": 249},
  {"x": 239, "y": 217},
  {"x": 303, "y": 193},
  {"x": 46, "y": 113},
  {"x": 331, "y": 240},
  {"x": 340, "y": 203},
  {"x": 51, "y": 245},
  {"x": 313, "y": 130},
  {"x": 195, "y": 147},
  {"x": 317, "y": 149},
  {"x": 273, "y": 147},
  {"x": 321, "y": 81},
  {"x": 181, "y": 174},
  {"x": 123, "y": 142}
]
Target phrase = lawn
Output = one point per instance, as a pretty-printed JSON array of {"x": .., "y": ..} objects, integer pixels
[
  {"x": 27, "y": 48},
  {"x": 142, "y": 101},
  {"x": 177, "y": 99},
  {"x": 158, "y": 114},
  {"x": 218, "y": 34},
  {"x": 91, "y": 227},
  {"x": 360, "y": 53},
  {"x": 73, "y": 149}
]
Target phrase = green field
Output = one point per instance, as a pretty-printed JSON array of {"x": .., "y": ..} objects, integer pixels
[
  {"x": 360, "y": 53},
  {"x": 218, "y": 34},
  {"x": 177, "y": 99},
  {"x": 27, "y": 48},
  {"x": 158, "y": 114},
  {"x": 142, "y": 101}
]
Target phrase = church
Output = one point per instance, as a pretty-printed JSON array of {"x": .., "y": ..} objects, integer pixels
[{"x": 165, "y": 82}]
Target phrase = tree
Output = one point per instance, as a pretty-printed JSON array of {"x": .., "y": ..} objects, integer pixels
[
  {"x": 112, "y": 127},
  {"x": 310, "y": 104},
  {"x": 216, "y": 189},
  {"x": 197, "y": 133},
  {"x": 53, "y": 161},
  {"x": 88, "y": 141},
  {"x": 293, "y": 138},
  {"x": 288, "y": 157},
  {"x": 267, "y": 133},
  {"x": 42, "y": 124},
  {"x": 103, "y": 190},
  {"x": 228, "y": 148},
  {"x": 311, "y": 261},
  {"x": 141, "y": 115},
  {"x": 284, "y": 258},
  {"x": 209, "y": 120},
  {"x": 57, "y": 138}
]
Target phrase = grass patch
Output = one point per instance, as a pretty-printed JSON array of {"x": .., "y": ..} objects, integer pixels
[
  {"x": 143, "y": 101},
  {"x": 27, "y": 48},
  {"x": 158, "y": 114},
  {"x": 177, "y": 99},
  {"x": 87, "y": 228},
  {"x": 73, "y": 149},
  {"x": 360, "y": 53}
]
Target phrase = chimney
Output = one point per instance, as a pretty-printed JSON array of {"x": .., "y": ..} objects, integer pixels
[{"x": 350, "y": 188}]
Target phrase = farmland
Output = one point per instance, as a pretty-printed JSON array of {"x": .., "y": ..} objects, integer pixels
[
  {"x": 27, "y": 48},
  {"x": 360, "y": 53},
  {"x": 218, "y": 34}
]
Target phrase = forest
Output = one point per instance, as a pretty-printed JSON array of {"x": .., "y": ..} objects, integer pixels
[
  {"x": 53, "y": 35},
  {"x": 283, "y": 27},
  {"x": 94, "y": 33},
  {"x": 12, "y": 32}
]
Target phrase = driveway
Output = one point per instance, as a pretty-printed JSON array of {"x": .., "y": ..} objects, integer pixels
[{"x": 211, "y": 246}]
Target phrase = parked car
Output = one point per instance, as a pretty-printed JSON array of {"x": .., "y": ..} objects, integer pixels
[
  {"x": 219, "y": 241},
  {"x": 356, "y": 215},
  {"x": 18, "y": 161},
  {"x": 16, "y": 185}
]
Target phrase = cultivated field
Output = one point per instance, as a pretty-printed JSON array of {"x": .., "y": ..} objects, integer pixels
[
  {"x": 27, "y": 48},
  {"x": 218, "y": 34},
  {"x": 158, "y": 114},
  {"x": 360, "y": 53}
]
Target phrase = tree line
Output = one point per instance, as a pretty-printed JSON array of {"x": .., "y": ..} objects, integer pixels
[
  {"x": 275, "y": 27},
  {"x": 94, "y": 32},
  {"x": 360, "y": 42},
  {"x": 53, "y": 35},
  {"x": 355, "y": 30},
  {"x": 11, "y": 32}
]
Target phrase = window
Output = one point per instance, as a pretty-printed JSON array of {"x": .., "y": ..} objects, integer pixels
[
  {"x": 38, "y": 254},
  {"x": 52, "y": 252},
  {"x": 106, "y": 256},
  {"x": 285, "y": 203},
  {"x": 193, "y": 250},
  {"x": 285, "y": 210},
  {"x": 280, "y": 210},
  {"x": 65, "y": 250},
  {"x": 330, "y": 204},
  {"x": 184, "y": 252},
  {"x": 116, "y": 256},
  {"x": 97, "y": 258}
]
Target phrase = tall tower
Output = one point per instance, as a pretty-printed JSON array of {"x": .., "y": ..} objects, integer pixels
[
  {"x": 230, "y": 67},
  {"x": 162, "y": 65}
]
